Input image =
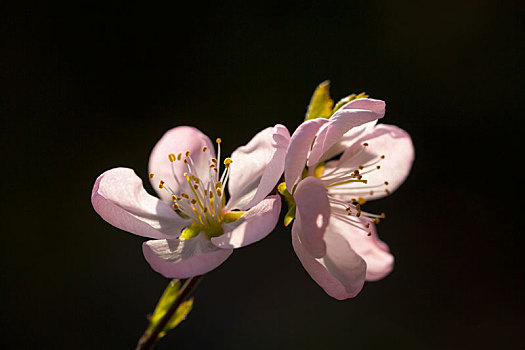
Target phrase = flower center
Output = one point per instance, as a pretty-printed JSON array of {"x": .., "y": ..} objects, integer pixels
[
  {"x": 351, "y": 180},
  {"x": 204, "y": 204}
]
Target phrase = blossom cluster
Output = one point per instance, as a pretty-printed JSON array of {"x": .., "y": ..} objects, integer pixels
[{"x": 332, "y": 164}]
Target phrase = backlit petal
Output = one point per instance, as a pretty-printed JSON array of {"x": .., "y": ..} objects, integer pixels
[
  {"x": 388, "y": 140},
  {"x": 184, "y": 258},
  {"x": 341, "y": 272},
  {"x": 119, "y": 198},
  {"x": 298, "y": 150},
  {"x": 379, "y": 261},
  {"x": 353, "y": 114},
  {"x": 257, "y": 167},
  {"x": 175, "y": 141},
  {"x": 313, "y": 215},
  {"x": 253, "y": 226}
]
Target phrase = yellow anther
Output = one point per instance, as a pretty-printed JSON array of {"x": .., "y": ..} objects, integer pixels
[
  {"x": 179, "y": 156},
  {"x": 361, "y": 200},
  {"x": 172, "y": 157},
  {"x": 227, "y": 162},
  {"x": 361, "y": 167},
  {"x": 173, "y": 197},
  {"x": 187, "y": 153},
  {"x": 193, "y": 201},
  {"x": 175, "y": 206},
  {"x": 218, "y": 140},
  {"x": 387, "y": 191},
  {"x": 196, "y": 187},
  {"x": 211, "y": 195},
  {"x": 179, "y": 198},
  {"x": 205, "y": 192},
  {"x": 365, "y": 144},
  {"x": 205, "y": 209},
  {"x": 204, "y": 148},
  {"x": 151, "y": 175},
  {"x": 184, "y": 195},
  {"x": 218, "y": 184},
  {"x": 376, "y": 221},
  {"x": 367, "y": 225},
  {"x": 185, "y": 161},
  {"x": 369, "y": 234},
  {"x": 219, "y": 192},
  {"x": 215, "y": 169},
  {"x": 161, "y": 184},
  {"x": 383, "y": 215},
  {"x": 187, "y": 176},
  {"x": 214, "y": 160},
  {"x": 212, "y": 165}
]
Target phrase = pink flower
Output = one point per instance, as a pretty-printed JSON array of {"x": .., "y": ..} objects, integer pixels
[
  {"x": 334, "y": 239},
  {"x": 193, "y": 228}
]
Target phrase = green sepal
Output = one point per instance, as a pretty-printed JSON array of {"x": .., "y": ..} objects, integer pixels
[
  {"x": 320, "y": 104},
  {"x": 288, "y": 198},
  {"x": 166, "y": 300},
  {"x": 290, "y": 214},
  {"x": 191, "y": 231},
  {"x": 347, "y": 99}
]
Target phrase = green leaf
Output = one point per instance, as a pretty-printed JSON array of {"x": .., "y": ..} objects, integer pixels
[
  {"x": 320, "y": 104},
  {"x": 347, "y": 99},
  {"x": 166, "y": 300}
]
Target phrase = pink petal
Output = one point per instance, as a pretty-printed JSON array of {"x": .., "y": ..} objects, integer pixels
[
  {"x": 298, "y": 150},
  {"x": 253, "y": 226},
  {"x": 179, "y": 140},
  {"x": 313, "y": 215},
  {"x": 341, "y": 272},
  {"x": 353, "y": 114},
  {"x": 257, "y": 167},
  {"x": 119, "y": 198},
  {"x": 184, "y": 258},
  {"x": 379, "y": 261},
  {"x": 348, "y": 139},
  {"x": 388, "y": 140}
]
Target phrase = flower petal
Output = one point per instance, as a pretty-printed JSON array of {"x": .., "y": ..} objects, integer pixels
[
  {"x": 352, "y": 114},
  {"x": 379, "y": 261},
  {"x": 175, "y": 141},
  {"x": 119, "y": 198},
  {"x": 257, "y": 167},
  {"x": 348, "y": 139},
  {"x": 313, "y": 215},
  {"x": 388, "y": 140},
  {"x": 253, "y": 226},
  {"x": 298, "y": 149},
  {"x": 341, "y": 272},
  {"x": 184, "y": 258}
]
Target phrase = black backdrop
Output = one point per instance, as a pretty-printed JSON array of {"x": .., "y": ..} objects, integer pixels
[{"x": 90, "y": 87}]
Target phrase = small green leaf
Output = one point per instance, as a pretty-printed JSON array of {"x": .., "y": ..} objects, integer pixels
[
  {"x": 347, "y": 99},
  {"x": 180, "y": 315},
  {"x": 320, "y": 104},
  {"x": 166, "y": 300},
  {"x": 290, "y": 215}
]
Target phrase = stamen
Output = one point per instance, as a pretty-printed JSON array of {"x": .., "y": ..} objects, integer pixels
[
  {"x": 204, "y": 148},
  {"x": 151, "y": 175},
  {"x": 172, "y": 157},
  {"x": 161, "y": 184}
]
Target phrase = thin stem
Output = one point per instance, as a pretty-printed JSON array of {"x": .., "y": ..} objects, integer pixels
[{"x": 148, "y": 339}]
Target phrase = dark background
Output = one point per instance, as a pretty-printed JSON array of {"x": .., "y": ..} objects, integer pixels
[{"x": 91, "y": 87}]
